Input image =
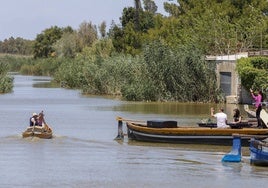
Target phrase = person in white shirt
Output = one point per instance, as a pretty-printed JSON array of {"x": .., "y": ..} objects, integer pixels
[{"x": 221, "y": 118}]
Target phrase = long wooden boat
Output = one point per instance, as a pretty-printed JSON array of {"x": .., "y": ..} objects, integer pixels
[
  {"x": 258, "y": 152},
  {"x": 170, "y": 133},
  {"x": 37, "y": 131}
]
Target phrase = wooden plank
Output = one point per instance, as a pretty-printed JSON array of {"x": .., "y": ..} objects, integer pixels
[{"x": 264, "y": 117}]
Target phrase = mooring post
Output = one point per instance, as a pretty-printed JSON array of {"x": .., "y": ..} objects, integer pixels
[
  {"x": 235, "y": 155},
  {"x": 120, "y": 135}
]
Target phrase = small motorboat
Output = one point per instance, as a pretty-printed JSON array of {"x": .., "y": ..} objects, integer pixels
[
  {"x": 38, "y": 131},
  {"x": 258, "y": 152}
]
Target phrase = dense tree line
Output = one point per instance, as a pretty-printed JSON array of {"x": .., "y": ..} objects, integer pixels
[
  {"x": 217, "y": 27},
  {"x": 149, "y": 56},
  {"x": 16, "y": 46}
]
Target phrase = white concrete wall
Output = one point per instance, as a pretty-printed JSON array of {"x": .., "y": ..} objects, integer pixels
[{"x": 227, "y": 63}]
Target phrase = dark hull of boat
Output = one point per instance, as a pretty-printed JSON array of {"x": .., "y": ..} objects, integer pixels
[
  {"x": 258, "y": 154},
  {"x": 232, "y": 125},
  {"x": 198, "y": 135},
  {"x": 204, "y": 140},
  {"x": 212, "y": 125}
]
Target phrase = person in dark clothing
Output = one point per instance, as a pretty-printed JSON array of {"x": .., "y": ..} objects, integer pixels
[
  {"x": 237, "y": 117},
  {"x": 34, "y": 120}
]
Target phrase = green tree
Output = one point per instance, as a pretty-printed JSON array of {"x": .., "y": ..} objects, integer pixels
[
  {"x": 87, "y": 34},
  {"x": 150, "y": 6},
  {"x": 138, "y": 9},
  {"x": 16, "y": 46},
  {"x": 43, "y": 45},
  {"x": 215, "y": 28},
  {"x": 128, "y": 16},
  {"x": 172, "y": 9},
  {"x": 253, "y": 72},
  {"x": 116, "y": 33},
  {"x": 67, "y": 45},
  {"x": 129, "y": 37},
  {"x": 102, "y": 29}
]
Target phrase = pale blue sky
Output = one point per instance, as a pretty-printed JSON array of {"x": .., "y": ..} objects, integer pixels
[{"x": 27, "y": 18}]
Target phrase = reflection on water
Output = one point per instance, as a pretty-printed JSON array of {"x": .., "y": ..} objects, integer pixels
[
  {"x": 83, "y": 152},
  {"x": 184, "y": 113}
]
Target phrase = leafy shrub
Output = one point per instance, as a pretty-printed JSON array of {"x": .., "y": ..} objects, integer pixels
[
  {"x": 253, "y": 72},
  {"x": 6, "y": 82}
]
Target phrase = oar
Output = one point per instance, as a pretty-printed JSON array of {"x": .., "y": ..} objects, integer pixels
[{"x": 33, "y": 129}]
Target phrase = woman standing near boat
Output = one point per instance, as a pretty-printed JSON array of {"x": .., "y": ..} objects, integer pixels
[{"x": 258, "y": 100}]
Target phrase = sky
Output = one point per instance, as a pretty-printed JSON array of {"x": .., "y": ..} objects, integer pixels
[{"x": 27, "y": 18}]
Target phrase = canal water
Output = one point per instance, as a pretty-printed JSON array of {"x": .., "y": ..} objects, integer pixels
[{"x": 83, "y": 152}]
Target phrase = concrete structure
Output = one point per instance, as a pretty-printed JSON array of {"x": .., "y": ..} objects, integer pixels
[{"x": 227, "y": 78}]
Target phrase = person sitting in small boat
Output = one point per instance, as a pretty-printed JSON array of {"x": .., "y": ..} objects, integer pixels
[
  {"x": 40, "y": 119},
  {"x": 221, "y": 118},
  {"x": 237, "y": 117},
  {"x": 41, "y": 122},
  {"x": 34, "y": 119}
]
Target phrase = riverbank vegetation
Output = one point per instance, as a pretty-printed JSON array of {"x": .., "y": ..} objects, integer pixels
[
  {"x": 149, "y": 56},
  {"x": 254, "y": 73},
  {"x": 6, "y": 82}
]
